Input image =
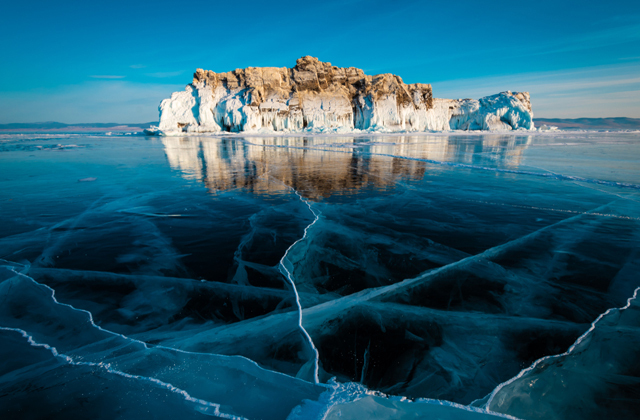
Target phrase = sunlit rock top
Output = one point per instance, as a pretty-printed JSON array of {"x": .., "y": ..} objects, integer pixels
[{"x": 316, "y": 96}]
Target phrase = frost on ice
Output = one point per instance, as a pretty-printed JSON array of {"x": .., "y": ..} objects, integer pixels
[{"x": 316, "y": 96}]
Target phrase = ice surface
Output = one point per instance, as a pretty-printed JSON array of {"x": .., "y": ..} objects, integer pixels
[
  {"x": 424, "y": 270},
  {"x": 598, "y": 376},
  {"x": 38, "y": 382},
  {"x": 213, "y": 379},
  {"x": 354, "y": 401}
]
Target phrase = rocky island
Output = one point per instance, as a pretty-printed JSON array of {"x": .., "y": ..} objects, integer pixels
[{"x": 315, "y": 96}]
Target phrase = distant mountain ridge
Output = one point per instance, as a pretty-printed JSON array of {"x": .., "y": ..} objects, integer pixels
[
  {"x": 613, "y": 123},
  {"x": 54, "y": 125}
]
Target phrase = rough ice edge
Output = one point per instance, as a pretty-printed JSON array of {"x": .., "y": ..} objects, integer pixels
[
  {"x": 207, "y": 405},
  {"x": 289, "y": 277},
  {"x": 557, "y": 356},
  {"x": 344, "y": 393}
]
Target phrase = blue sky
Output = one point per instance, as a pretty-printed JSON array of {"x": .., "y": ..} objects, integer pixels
[{"x": 113, "y": 61}]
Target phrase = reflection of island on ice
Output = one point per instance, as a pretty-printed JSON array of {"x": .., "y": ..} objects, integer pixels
[{"x": 320, "y": 166}]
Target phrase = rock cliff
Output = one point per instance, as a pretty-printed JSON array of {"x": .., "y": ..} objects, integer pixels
[{"x": 316, "y": 96}]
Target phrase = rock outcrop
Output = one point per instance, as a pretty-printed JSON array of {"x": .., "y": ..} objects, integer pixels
[{"x": 316, "y": 96}]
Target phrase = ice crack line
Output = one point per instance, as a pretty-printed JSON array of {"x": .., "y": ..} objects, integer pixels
[
  {"x": 580, "y": 339},
  {"x": 207, "y": 407},
  {"x": 128, "y": 339},
  {"x": 289, "y": 276}
]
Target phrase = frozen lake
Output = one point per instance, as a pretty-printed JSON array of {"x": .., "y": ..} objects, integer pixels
[{"x": 273, "y": 277}]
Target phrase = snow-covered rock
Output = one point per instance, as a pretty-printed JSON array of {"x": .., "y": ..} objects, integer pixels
[
  {"x": 316, "y": 96},
  {"x": 545, "y": 127}
]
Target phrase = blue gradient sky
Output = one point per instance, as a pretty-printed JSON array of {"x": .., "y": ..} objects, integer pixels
[{"x": 114, "y": 61}]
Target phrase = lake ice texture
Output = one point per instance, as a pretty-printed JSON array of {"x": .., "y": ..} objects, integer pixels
[{"x": 439, "y": 276}]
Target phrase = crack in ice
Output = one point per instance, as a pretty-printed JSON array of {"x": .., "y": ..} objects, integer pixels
[
  {"x": 129, "y": 339},
  {"x": 591, "y": 213},
  {"x": 208, "y": 406},
  {"x": 485, "y": 255},
  {"x": 289, "y": 276},
  {"x": 386, "y": 291},
  {"x": 556, "y": 356}
]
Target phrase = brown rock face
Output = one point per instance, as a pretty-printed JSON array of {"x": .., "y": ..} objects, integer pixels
[
  {"x": 318, "y": 97},
  {"x": 525, "y": 98},
  {"x": 311, "y": 77}
]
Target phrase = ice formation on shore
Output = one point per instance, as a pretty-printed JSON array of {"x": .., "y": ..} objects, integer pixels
[{"x": 316, "y": 96}]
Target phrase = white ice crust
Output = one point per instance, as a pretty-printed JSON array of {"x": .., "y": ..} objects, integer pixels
[{"x": 201, "y": 109}]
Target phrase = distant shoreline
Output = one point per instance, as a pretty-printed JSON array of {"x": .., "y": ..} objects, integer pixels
[
  {"x": 613, "y": 123},
  {"x": 79, "y": 127},
  {"x": 71, "y": 129}
]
